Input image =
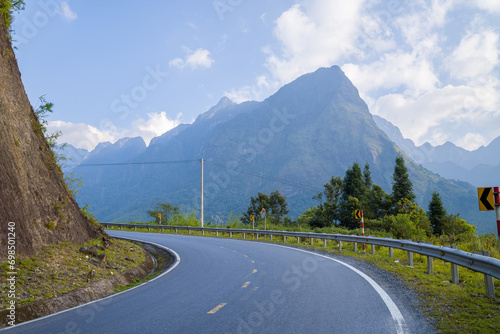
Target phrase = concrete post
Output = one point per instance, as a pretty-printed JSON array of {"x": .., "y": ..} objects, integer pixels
[
  {"x": 298, "y": 240},
  {"x": 243, "y": 235},
  {"x": 391, "y": 252},
  {"x": 284, "y": 238},
  {"x": 216, "y": 233},
  {"x": 324, "y": 242},
  {"x": 230, "y": 234},
  {"x": 355, "y": 247},
  {"x": 271, "y": 237},
  {"x": 430, "y": 267},
  {"x": 312, "y": 241},
  {"x": 410, "y": 259},
  {"x": 340, "y": 245},
  {"x": 373, "y": 249}
]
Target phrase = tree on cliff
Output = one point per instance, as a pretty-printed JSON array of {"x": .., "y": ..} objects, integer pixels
[{"x": 33, "y": 195}]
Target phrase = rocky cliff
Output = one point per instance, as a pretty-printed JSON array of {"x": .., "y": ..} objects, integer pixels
[{"x": 33, "y": 195}]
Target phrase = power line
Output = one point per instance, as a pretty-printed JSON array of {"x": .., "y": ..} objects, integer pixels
[
  {"x": 140, "y": 163},
  {"x": 221, "y": 165}
]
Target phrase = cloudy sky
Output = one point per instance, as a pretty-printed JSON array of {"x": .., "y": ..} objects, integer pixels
[{"x": 118, "y": 69}]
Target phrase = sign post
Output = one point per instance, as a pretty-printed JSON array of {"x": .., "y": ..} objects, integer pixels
[
  {"x": 489, "y": 200},
  {"x": 159, "y": 217},
  {"x": 359, "y": 215},
  {"x": 253, "y": 221},
  {"x": 263, "y": 215},
  {"x": 496, "y": 192}
]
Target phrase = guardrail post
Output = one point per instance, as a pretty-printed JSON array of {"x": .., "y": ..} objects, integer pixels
[
  {"x": 121, "y": 227},
  {"x": 135, "y": 228},
  {"x": 430, "y": 268},
  {"x": 488, "y": 280},
  {"x": 148, "y": 229},
  {"x": 271, "y": 237},
  {"x": 243, "y": 235},
  {"x": 340, "y": 245},
  {"x": 410, "y": 259},
  {"x": 355, "y": 247},
  {"x": 324, "y": 242},
  {"x": 454, "y": 268},
  {"x": 312, "y": 241},
  {"x": 284, "y": 238},
  {"x": 189, "y": 231},
  {"x": 230, "y": 234},
  {"x": 373, "y": 249},
  {"x": 257, "y": 236},
  {"x": 202, "y": 232},
  {"x": 216, "y": 233},
  {"x": 391, "y": 252},
  {"x": 298, "y": 240}
]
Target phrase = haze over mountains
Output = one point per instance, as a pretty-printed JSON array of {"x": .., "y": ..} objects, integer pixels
[{"x": 295, "y": 140}]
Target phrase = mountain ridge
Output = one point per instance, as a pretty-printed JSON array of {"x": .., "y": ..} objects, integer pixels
[{"x": 309, "y": 130}]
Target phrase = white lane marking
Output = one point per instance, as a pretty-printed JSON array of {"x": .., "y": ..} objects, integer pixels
[
  {"x": 177, "y": 261},
  {"x": 396, "y": 314}
]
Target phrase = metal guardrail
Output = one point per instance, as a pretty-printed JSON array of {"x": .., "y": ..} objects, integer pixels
[{"x": 490, "y": 267}]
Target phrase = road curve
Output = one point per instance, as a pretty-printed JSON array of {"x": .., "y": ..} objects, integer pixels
[{"x": 234, "y": 286}]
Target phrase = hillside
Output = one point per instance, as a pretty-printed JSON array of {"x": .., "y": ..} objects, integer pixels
[
  {"x": 32, "y": 193},
  {"x": 295, "y": 140}
]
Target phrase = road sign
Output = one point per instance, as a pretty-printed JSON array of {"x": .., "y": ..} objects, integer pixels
[
  {"x": 263, "y": 213},
  {"x": 358, "y": 214},
  {"x": 486, "y": 199},
  {"x": 251, "y": 217}
]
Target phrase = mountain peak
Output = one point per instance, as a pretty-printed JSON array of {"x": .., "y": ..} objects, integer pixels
[{"x": 223, "y": 103}]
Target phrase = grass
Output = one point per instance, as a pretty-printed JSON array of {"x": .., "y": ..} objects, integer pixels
[
  {"x": 462, "y": 308},
  {"x": 61, "y": 268}
]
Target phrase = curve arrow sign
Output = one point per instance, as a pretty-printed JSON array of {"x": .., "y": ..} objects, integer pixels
[{"x": 486, "y": 200}]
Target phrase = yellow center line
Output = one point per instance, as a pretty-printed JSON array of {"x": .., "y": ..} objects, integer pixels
[
  {"x": 218, "y": 307},
  {"x": 245, "y": 285}
]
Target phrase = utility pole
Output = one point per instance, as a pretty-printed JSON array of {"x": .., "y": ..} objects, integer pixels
[{"x": 201, "y": 216}]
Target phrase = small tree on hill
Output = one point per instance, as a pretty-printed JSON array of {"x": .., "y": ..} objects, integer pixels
[
  {"x": 275, "y": 206},
  {"x": 167, "y": 211},
  {"x": 401, "y": 186},
  {"x": 436, "y": 213}
]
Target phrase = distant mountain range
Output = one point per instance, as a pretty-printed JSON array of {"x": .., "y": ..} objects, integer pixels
[
  {"x": 295, "y": 140},
  {"x": 479, "y": 167}
]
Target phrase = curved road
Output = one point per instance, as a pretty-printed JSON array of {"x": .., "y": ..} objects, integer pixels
[{"x": 234, "y": 286}]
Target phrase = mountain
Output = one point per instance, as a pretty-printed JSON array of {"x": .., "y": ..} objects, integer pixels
[
  {"x": 479, "y": 167},
  {"x": 295, "y": 141}
]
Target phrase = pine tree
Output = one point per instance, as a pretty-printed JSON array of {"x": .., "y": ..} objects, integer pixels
[
  {"x": 401, "y": 185},
  {"x": 354, "y": 184},
  {"x": 436, "y": 213},
  {"x": 367, "y": 176}
]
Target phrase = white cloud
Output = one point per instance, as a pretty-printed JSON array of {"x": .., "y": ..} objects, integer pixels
[
  {"x": 463, "y": 115},
  {"x": 476, "y": 55},
  {"x": 66, "y": 12},
  {"x": 393, "y": 70},
  {"x": 86, "y": 136},
  {"x": 489, "y": 5},
  {"x": 194, "y": 60}
]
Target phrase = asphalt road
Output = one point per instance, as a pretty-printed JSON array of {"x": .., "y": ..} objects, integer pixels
[{"x": 233, "y": 286}]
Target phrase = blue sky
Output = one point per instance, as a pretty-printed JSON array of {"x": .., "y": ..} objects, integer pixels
[{"x": 118, "y": 69}]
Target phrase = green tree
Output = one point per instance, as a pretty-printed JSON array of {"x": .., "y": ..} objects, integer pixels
[
  {"x": 436, "y": 213},
  {"x": 347, "y": 209},
  {"x": 275, "y": 206},
  {"x": 167, "y": 211},
  {"x": 367, "y": 176},
  {"x": 457, "y": 229},
  {"x": 402, "y": 188},
  {"x": 378, "y": 204},
  {"x": 354, "y": 184}
]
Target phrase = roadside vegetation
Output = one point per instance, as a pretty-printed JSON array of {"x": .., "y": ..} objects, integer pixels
[{"x": 61, "y": 268}]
